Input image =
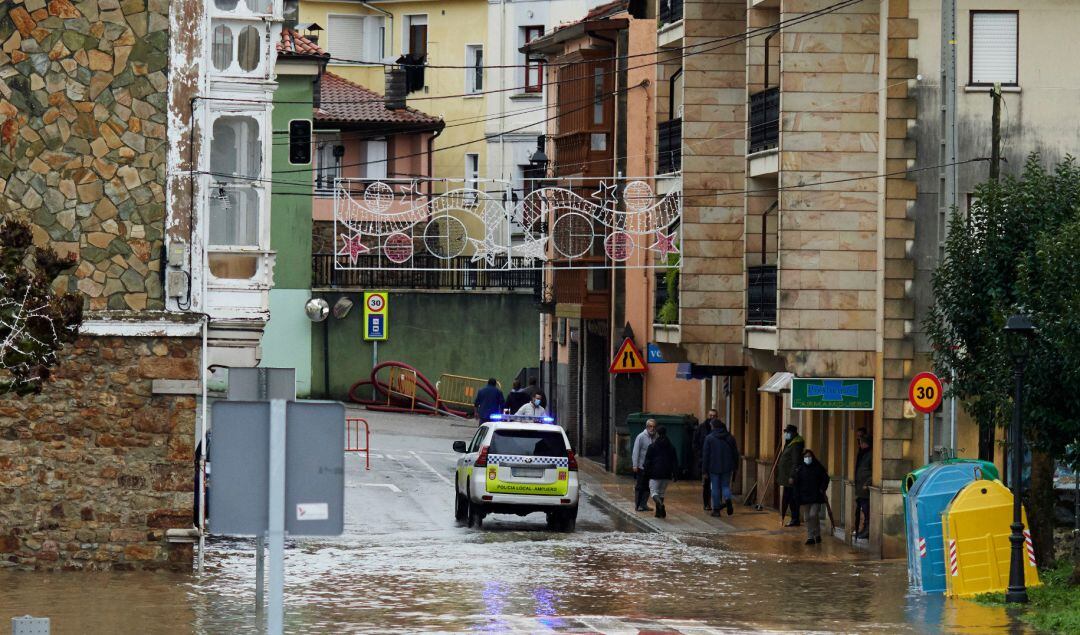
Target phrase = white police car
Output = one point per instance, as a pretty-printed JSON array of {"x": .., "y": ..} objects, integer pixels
[{"x": 517, "y": 465}]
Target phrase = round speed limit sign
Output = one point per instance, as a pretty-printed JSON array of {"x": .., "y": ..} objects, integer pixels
[
  {"x": 375, "y": 303},
  {"x": 924, "y": 392}
]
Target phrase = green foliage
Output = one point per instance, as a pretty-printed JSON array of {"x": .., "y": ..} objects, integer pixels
[
  {"x": 1018, "y": 250},
  {"x": 669, "y": 312},
  {"x": 1053, "y": 607},
  {"x": 34, "y": 321}
]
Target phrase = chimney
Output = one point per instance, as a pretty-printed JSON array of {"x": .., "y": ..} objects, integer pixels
[{"x": 396, "y": 89}]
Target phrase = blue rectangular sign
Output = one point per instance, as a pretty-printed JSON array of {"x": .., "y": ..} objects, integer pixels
[
  {"x": 655, "y": 356},
  {"x": 375, "y": 325}
]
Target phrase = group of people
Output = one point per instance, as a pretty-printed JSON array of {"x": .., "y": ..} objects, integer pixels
[{"x": 528, "y": 401}]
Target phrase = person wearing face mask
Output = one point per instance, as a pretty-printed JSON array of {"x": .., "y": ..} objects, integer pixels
[
  {"x": 637, "y": 459},
  {"x": 534, "y": 407},
  {"x": 811, "y": 483},
  {"x": 790, "y": 459}
]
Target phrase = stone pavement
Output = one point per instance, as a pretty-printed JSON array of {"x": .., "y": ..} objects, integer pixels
[{"x": 746, "y": 529}]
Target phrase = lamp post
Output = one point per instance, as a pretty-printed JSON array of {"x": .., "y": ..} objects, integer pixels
[{"x": 1019, "y": 330}]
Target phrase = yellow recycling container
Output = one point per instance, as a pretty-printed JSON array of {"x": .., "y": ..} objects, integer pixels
[{"x": 976, "y": 529}]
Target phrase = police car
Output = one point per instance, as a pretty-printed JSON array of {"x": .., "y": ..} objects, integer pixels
[{"x": 517, "y": 465}]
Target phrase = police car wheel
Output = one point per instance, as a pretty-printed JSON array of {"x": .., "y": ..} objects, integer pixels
[
  {"x": 476, "y": 516},
  {"x": 460, "y": 509},
  {"x": 568, "y": 521},
  {"x": 552, "y": 521}
]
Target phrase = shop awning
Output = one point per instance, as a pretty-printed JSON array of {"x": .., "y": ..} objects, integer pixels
[{"x": 778, "y": 383}]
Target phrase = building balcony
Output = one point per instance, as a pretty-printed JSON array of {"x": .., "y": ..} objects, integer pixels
[
  {"x": 583, "y": 152},
  {"x": 761, "y": 296},
  {"x": 764, "y": 130},
  {"x": 669, "y": 12},
  {"x": 669, "y": 146},
  {"x": 427, "y": 272},
  {"x": 572, "y": 288}
]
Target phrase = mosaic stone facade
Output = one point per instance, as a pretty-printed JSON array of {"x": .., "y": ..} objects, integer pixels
[{"x": 83, "y": 90}]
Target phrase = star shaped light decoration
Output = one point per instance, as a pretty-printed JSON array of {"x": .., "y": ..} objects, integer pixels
[
  {"x": 354, "y": 246},
  {"x": 411, "y": 192},
  {"x": 606, "y": 194},
  {"x": 532, "y": 249},
  {"x": 485, "y": 250},
  {"x": 665, "y": 243}
]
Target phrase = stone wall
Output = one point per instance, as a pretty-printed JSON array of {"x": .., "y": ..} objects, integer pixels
[
  {"x": 96, "y": 468},
  {"x": 83, "y": 138}
]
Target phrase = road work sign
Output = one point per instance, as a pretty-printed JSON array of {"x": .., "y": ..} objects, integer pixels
[
  {"x": 924, "y": 392},
  {"x": 628, "y": 359},
  {"x": 376, "y": 311}
]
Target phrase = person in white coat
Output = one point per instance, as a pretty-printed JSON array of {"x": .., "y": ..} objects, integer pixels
[{"x": 533, "y": 408}]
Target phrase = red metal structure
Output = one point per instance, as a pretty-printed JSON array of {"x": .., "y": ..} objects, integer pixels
[
  {"x": 386, "y": 399},
  {"x": 352, "y": 438}
]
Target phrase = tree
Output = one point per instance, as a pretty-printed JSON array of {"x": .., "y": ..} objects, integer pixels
[
  {"x": 1016, "y": 251},
  {"x": 35, "y": 322}
]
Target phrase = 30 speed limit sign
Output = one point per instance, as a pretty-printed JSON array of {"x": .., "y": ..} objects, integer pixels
[{"x": 924, "y": 392}]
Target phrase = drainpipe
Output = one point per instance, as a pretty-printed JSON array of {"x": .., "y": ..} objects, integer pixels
[
  {"x": 368, "y": 5},
  {"x": 502, "y": 98},
  {"x": 767, "y": 38},
  {"x": 431, "y": 160}
]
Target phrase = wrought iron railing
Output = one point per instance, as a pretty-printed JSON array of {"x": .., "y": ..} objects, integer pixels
[
  {"x": 670, "y": 11},
  {"x": 430, "y": 273},
  {"x": 764, "y": 120},
  {"x": 669, "y": 146},
  {"x": 761, "y": 296}
]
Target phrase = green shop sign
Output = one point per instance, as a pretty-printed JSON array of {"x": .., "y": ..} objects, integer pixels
[{"x": 808, "y": 393}]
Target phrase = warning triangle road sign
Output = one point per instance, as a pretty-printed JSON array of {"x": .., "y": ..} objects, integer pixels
[{"x": 628, "y": 359}]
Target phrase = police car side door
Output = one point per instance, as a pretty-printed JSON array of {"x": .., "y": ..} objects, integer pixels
[{"x": 465, "y": 463}]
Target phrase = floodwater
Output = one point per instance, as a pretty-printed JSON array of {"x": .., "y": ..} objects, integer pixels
[{"x": 405, "y": 566}]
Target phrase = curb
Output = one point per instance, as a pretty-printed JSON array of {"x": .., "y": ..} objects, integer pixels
[{"x": 603, "y": 501}]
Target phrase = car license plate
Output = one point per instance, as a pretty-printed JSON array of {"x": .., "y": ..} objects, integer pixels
[{"x": 527, "y": 472}]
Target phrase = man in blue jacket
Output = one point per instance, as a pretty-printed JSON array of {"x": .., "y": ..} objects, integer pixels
[
  {"x": 489, "y": 401},
  {"x": 720, "y": 459}
]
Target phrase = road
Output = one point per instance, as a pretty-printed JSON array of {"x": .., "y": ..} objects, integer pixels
[{"x": 404, "y": 565}]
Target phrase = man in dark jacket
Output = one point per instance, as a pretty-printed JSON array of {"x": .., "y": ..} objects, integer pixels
[
  {"x": 517, "y": 398},
  {"x": 703, "y": 429},
  {"x": 489, "y": 401},
  {"x": 864, "y": 470},
  {"x": 661, "y": 465},
  {"x": 811, "y": 483},
  {"x": 789, "y": 461},
  {"x": 720, "y": 459}
]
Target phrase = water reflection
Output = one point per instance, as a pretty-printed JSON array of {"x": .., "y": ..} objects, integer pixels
[{"x": 503, "y": 581}]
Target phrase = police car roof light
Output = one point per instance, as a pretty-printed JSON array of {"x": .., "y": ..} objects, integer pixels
[
  {"x": 496, "y": 417},
  {"x": 549, "y": 419}
]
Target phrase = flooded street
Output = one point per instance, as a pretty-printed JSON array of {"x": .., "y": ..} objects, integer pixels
[{"x": 405, "y": 565}]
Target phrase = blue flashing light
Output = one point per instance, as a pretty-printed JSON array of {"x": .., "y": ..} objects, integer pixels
[
  {"x": 549, "y": 419},
  {"x": 496, "y": 417}
]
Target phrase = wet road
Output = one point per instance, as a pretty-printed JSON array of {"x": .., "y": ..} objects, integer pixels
[{"x": 405, "y": 565}]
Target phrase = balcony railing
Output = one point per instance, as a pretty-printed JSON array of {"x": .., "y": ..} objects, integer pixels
[
  {"x": 761, "y": 296},
  {"x": 669, "y": 146},
  {"x": 670, "y": 11},
  {"x": 429, "y": 273},
  {"x": 764, "y": 120}
]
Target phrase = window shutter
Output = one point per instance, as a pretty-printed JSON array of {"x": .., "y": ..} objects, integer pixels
[
  {"x": 347, "y": 36},
  {"x": 993, "y": 47},
  {"x": 373, "y": 38},
  {"x": 376, "y": 159}
]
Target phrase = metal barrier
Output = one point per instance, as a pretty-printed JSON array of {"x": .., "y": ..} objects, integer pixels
[
  {"x": 459, "y": 390},
  {"x": 402, "y": 383},
  {"x": 352, "y": 439}
]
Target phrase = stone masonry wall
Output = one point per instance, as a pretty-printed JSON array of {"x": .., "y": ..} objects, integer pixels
[
  {"x": 83, "y": 138},
  {"x": 95, "y": 468}
]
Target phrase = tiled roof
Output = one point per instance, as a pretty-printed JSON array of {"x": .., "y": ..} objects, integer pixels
[
  {"x": 293, "y": 44},
  {"x": 348, "y": 102}
]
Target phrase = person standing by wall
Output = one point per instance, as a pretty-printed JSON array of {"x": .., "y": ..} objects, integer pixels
[
  {"x": 489, "y": 401},
  {"x": 637, "y": 458},
  {"x": 790, "y": 459},
  {"x": 700, "y": 433},
  {"x": 720, "y": 459},
  {"x": 811, "y": 482},
  {"x": 864, "y": 470},
  {"x": 661, "y": 465}
]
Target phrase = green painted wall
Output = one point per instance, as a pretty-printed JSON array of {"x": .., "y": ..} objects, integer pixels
[
  {"x": 285, "y": 343},
  {"x": 474, "y": 334}
]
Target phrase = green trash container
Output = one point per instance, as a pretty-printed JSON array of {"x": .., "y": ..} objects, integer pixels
[{"x": 680, "y": 429}]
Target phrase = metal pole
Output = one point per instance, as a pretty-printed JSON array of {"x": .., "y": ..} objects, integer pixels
[
  {"x": 204, "y": 377},
  {"x": 926, "y": 439},
  {"x": 326, "y": 356},
  {"x": 952, "y": 416},
  {"x": 995, "y": 134},
  {"x": 276, "y": 533},
  {"x": 1017, "y": 591},
  {"x": 260, "y": 567}
]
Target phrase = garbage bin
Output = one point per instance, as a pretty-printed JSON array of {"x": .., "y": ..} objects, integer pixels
[{"x": 680, "y": 429}]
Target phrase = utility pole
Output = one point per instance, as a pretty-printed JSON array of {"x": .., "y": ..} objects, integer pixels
[
  {"x": 947, "y": 157},
  {"x": 995, "y": 134}
]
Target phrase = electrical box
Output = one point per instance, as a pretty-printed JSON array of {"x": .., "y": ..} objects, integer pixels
[
  {"x": 176, "y": 284},
  {"x": 177, "y": 253}
]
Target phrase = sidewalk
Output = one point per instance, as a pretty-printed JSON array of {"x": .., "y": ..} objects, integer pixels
[{"x": 747, "y": 529}]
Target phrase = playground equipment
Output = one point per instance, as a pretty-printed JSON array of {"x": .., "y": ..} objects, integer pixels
[{"x": 398, "y": 387}]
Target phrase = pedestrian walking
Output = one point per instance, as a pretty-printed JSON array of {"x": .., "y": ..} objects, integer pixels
[
  {"x": 637, "y": 459},
  {"x": 720, "y": 459},
  {"x": 517, "y": 398},
  {"x": 489, "y": 400},
  {"x": 661, "y": 465},
  {"x": 811, "y": 483},
  {"x": 700, "y": 433},
  {"x": 533, "y": 408},
  {"x": 864, "y": 469},
  {"x": 789, "y": 461}
]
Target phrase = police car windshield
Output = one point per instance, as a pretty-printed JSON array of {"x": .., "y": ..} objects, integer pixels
[{"x": 528, "y": 443}]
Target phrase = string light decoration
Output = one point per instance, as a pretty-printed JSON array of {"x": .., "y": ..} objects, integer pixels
[{"x": 35, "y": 322}]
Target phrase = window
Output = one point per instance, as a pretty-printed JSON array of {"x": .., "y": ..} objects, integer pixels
[
  {"x": 994, "y": 47},
  {"x": 299, "y": 142},
  {"x": 472, "y": 175},
  {"x": 528, "y": 443},
  {"x": 534, "y": 63},
  {"x": 236, "y": 164},
  {"x": 237, "y": 48},
  {"x": 254, "y": 6},
  {"x": 247, "y": 49},
  {"x": 474, "y": 75},
  {"x": 328, "y": 155},
  {"x": 375, "y": 161},
  {"x": 415, "y": 40},
  {"x": 222, "y": 53},
  {"x": 346, "y": 35},
  {"x": 598, "y": 96}
]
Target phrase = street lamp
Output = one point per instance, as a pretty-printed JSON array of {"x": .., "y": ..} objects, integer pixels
[{"x": 1019, "y": 331}]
